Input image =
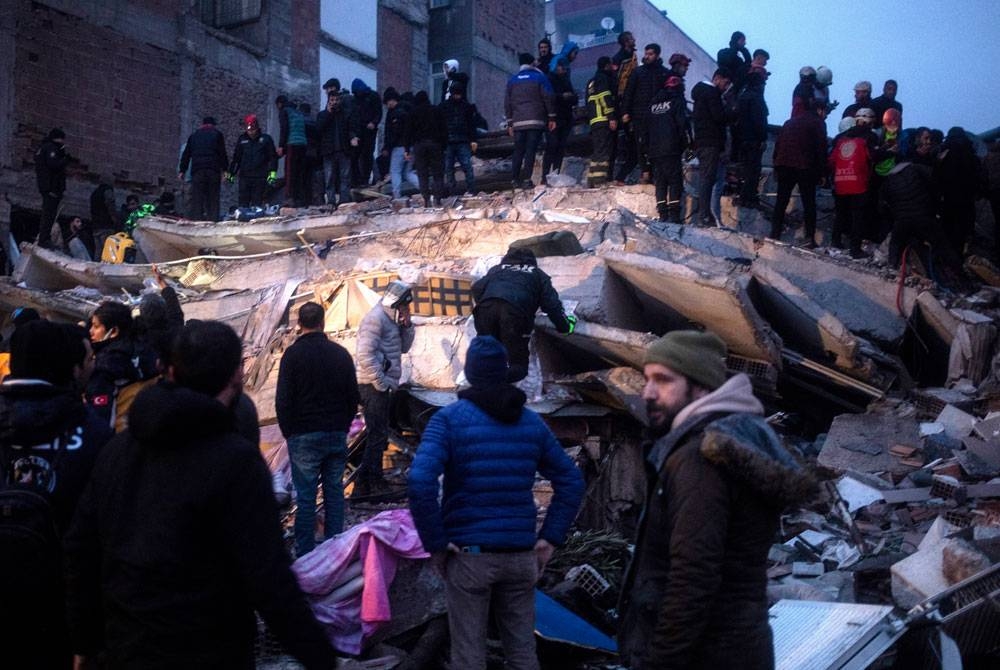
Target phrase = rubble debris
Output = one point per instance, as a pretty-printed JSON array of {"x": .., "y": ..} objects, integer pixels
[{"x": 862, "y": 442}]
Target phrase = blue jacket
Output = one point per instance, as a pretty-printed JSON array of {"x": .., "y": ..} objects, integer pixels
[
  {"x": 529, "y": 103},
  {"x": 489, "y": 469}
]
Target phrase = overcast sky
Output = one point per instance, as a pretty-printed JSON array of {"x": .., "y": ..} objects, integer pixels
[{"x": 944, "y": 54}]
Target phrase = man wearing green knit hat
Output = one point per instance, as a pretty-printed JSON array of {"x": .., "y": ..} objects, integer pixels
[{"x": 694, "y": 594}]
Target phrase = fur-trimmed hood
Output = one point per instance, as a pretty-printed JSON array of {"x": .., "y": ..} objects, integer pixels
[{"x": 748, "y": 449}]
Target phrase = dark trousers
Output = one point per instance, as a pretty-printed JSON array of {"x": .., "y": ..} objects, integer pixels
[
  {"x": 364, "y": 158},
  {"x": 317, "y": 458},
  {"x": 251, "y": 193},
  {"x": 525, "y": 146},
  {"x": 708, "y": 173},
  {"x": 958, "y": 218},
  {"x": 377, "y": 405},
  {"x": 751, "y": 153},
  {"x": 995, "y": 206},
  {"x": 50, "y": 210},
  {"x": 669, "y": 179},
  {"x": 428, "y": 161},
  {"x": 850, "y": 219},
  {"x": 788, "y": 178},
  {"x": 502, "y": 320},
  {"x": 630, "y": 150},
  {"x": 640, "y": 123},
  {"x": 205, "y": 195},
  {"x": 296, "y": 173},
  {"x": 915, "y": 232},
  {"x": 555, "y": 148},
  {"x": 337, "y": 178},
  {"x": 461, "y": 152},
  {"x": 602, "y": 154}
]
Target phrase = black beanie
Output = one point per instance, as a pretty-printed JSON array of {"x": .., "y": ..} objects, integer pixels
[
  {"x": 57, "y": 134},
  {"x": 390, "y": 94}
]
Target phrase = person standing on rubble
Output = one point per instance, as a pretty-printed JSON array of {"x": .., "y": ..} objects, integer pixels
[
  {"x": 205, "y": 153},
  {"x": 668, "y": 133},
  {"x": 603, "y": 119},
  {"x": 482, "y": 535},
  {"x": 176, "y": 539},
  {"x": 506, "y": 301},
  {"x": 255, "y": 160},
  {"x": 384, "y": 335},
  {"x": 51, "y": 160},
  {"x": 712, "y": 114},
  {"x": 647, "y": 81},
  {"x": 694, "y": 595},
  {"x": 316, "y": 400},
  {"x": 530, "y": 109}
]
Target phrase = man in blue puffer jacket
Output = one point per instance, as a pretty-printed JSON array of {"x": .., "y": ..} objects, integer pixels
[{"x": 482, "y": 534}]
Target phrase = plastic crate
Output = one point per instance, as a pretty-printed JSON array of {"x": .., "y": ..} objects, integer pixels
[{"x": 589, "y": 579}]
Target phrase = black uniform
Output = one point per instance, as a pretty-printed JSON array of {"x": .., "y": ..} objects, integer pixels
[
  {"x": 205, "y": 152},
  {"x": 601, "y": 112},
  {"x": 648, "y": 79},
  {"x": 667, "y": 127},
  {"x": 51, "y": 160},
  {"x": 253, "y": 159},
  {"x": 506, "y": 301}
]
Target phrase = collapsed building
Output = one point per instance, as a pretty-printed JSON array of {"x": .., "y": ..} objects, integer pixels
[{"x": 887, "y": 384}]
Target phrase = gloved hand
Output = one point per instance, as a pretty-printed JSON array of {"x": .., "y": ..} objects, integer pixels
[
  {"x": 230, "y": 178},
  {"x": 571, "y": 320},
  {"x": 272, "y": 177}
]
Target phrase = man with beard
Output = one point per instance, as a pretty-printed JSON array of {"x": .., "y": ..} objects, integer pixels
[
  {"x": 694, "y": 595},
  {"x": 648, "y": 79}
]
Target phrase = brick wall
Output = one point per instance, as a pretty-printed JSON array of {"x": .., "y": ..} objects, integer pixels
[
  {"x": 115, "y": 97},
  {"x": 512, "y": 25},
  {"x": 305, "y": 21},
  {"x": 395, "y": 51}
]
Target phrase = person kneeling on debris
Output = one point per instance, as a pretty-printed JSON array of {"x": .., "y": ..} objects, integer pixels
[
  {"x": 481, "y": 535},
  {"x": 385, "y": 334},
  {"x": 694, "y": 595},
  {"x": 506, "y": 301}
]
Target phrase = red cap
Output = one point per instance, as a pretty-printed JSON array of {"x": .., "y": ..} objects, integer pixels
[
  {"x": 250, "y": 120},
  {"x": 673, "y": 82}
]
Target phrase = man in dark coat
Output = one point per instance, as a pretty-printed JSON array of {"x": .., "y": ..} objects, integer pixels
[
  {"x": 51, "y": 160},
  {"x": 958, "y": 174},
  {"x": 736, "y": 59},
  {"x": 668, "y": 129},
  {"x": 711, "y": 115},
  {"x": 338, "y": 129},
  {"x": 506, "y": 301},
  {"x": 886, "y": 101},
  {"x": 368, "y": 107},
  {"x": 644, "y": 84},
  {"x": 103, "y": 213},
  {"x": 751, "y": 129},
  {"x": 695, "y": 595},
  {"x": 176, "y": 540},
  {"x": 205, "y": 152},
  {"x": 603, "y": 118},
  {"x": 910, "y": 194},
  {"x": 482, "y": 534},
  {"x": 425, "y": 139},
  {"x": 255, "y": 161},
  {"x": 624, "y": 64},
  {"x": 566, "y": 100},
  {"x": 460, "y": 123},
  {"x": 317, "y": 397},
  {"x": 800, "y": 159}
]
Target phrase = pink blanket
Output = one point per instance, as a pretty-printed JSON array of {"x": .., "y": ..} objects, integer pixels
[{"x": 378, "y": 543}]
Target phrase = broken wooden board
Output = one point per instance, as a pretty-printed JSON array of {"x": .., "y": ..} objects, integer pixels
[{"x": 698, "y": 294}]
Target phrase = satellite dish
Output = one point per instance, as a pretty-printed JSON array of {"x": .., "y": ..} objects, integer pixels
[{"x": 607, "y": 23}]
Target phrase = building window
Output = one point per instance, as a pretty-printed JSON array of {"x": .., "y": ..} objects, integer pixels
[{"x": 230, "y": 13}]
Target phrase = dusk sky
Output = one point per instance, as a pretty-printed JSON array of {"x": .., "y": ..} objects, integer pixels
[{"x": 943, "y": 54}]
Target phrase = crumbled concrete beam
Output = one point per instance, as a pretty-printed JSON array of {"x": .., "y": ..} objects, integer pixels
[
  {"x": 862, "y": 442},
  {"x": 615, "y": 346},
  {"x": 918, "y": 576},
  {"x": 620, "y": 388},
  {"x": 600, "y": 296},
  {"x": 707, "y": 294}
]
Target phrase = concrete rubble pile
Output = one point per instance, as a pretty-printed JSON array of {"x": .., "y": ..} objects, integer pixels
[{"x": 889, "y": 387}]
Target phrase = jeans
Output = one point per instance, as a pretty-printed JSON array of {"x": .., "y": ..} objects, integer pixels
[
  {"x": 525, "y": 146},
  {"x": 709, "y": 159},
  {"x": 474, "y": 583},
  {"x": 205, "y": 185},
  {"x": 787, "y": 179},
  {"x": 399, "y": 170},
  {"x": 317, "y": 457},
  {"x": 337, "y": 176},
  {"x": 377, "y": 405},
  {"x": 461, "y": 152}
]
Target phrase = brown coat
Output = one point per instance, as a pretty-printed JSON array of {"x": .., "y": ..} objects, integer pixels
[{"x": 695, "y": 593}]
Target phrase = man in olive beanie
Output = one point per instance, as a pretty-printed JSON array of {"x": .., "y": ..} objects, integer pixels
[{"x": 694, "y": 595}]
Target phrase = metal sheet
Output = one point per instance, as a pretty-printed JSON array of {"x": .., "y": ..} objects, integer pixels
[{"x": 825, "y": 636}]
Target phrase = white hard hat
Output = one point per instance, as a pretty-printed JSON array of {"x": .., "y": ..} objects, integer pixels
[
  {"x": 846, "y": 124},
  {"x": 824, "y": 75}
]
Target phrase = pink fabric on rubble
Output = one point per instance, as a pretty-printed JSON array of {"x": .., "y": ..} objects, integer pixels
[{"x": 379, "y": 542}]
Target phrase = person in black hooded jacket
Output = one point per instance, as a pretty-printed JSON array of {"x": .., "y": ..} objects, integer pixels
[
  {"x": 668, "y": 130},
  {"x": 736, "y": 58},
  {"x": 51, "y": 160},
  {"x": 506, "y": 301},
  {"x": 425, "y": 138},
  {"x": 49, "y": 441},
  {"x": 642, "y": 86},
  {"x": 911, "y": 195},
  {"x": 176, "y": 540}
]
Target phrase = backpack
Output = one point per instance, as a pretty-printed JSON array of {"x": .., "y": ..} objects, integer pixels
[{"x": 851, "y": 166}]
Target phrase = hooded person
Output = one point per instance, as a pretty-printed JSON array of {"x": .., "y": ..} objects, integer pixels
[
  {"x": 255, "y": 161},
  {"x": 958, "y": 175},
  {"x": 695, "y": 592},
  {"x": 51, "y": 160},
  {"x": 49, "y": 442},
  {"x": 384, "y": 335},
  {"x": 368, "y": 111},
  {"x": 481, "y": 532},
  {"x": 506, "y": 301},
  {"x": 569, "y": 51},
  {"x": 452, "y": 75},
  {"x": 736, "y": 59},
  {"x": 668, "y": 132}
]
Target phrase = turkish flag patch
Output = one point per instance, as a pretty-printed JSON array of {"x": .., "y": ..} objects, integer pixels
[{"x": 102, "y": 400}]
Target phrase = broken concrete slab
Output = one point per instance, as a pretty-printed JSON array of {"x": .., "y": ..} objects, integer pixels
[
  {"x": 961, "y": 559},
  {"x": 957, "y": 424},
  {"x": 700, "y": 293},
  {"x": 919, "y": 576},
  {"x": 862, "y": 442},
  {"x": 619, "y": 388}
]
